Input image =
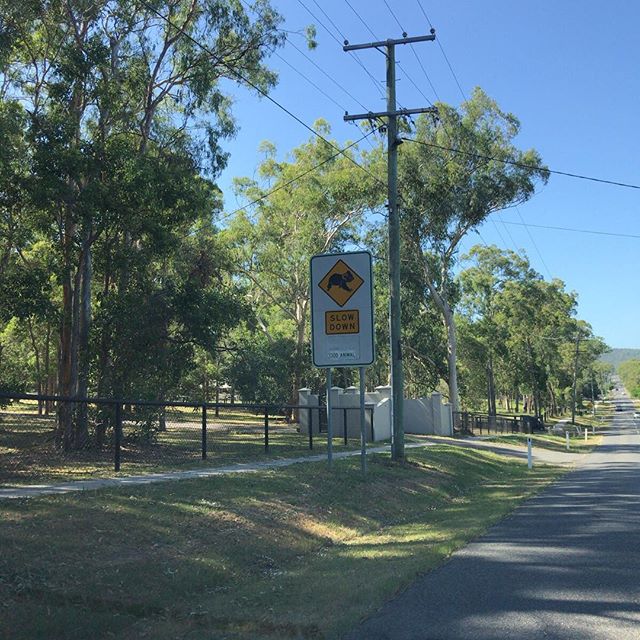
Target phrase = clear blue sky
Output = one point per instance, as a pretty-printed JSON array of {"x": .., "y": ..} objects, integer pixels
[{"x": 569, "y": 70}]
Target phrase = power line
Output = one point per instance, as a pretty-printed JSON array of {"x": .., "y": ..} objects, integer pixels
[
  {"x": 375, "y": 37},
  {"x": 535, "y": 245},
  {"x": 317, "y": 87},
  {"x": 426, "y": 75},
  {"x": 328, "y": 17},
  {"x": 514, "y": 244},
  {"x": 367, "y": 27},
  {"x": 354, "y": 56},
  {"x": 574, "y": 230},
  {"x": 453, "y": 73},
  {"x": 415, "y": 84},
  {"x": 311, "y": 82},
  {"x": 255, "y": 87},
  {"x": 310, "y": 60},
  {"x": 325, "y": 73},
  {"x": 499, "y": 232},
  {"x": 315, "y": 64},
  {"x": 395, "y": 17},
  {"x": 523, "y": 165},
  {"x": 299, "y": 176},
  {"x": 484, "y": 242}
]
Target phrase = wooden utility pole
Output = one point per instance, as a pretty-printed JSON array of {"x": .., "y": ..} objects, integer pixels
[
  {"x": 575, "y": 378},
  {"x": 397, "y": 376}
]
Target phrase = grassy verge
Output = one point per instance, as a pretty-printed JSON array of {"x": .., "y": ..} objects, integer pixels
[
  {"x": 40, "y": 461},
  {"x": 295, "y": 553},
  {"x": 550, "y": 441},
  {"x": 28, "y": 453}
]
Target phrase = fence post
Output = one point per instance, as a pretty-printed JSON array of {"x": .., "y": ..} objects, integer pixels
[
  {"x": 373, "y": 433},
  {"x": 118, "y": 437},
  {"x": 344, "y": 425},
  {"x": 204, "y": 431},
  {"x": 310, "y": 425},
  {"x": 266, "y": 429}
]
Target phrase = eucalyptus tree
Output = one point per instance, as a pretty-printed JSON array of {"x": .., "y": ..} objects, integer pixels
[
  {"x": 312, "y": 202},
  {"x": 125, "y": 113},
  {"x": 453, "y": 174},
  {"x": 629, "y": 372},
  {"x": 539, "y": 318},
  {"x": 490, "y": 270}
]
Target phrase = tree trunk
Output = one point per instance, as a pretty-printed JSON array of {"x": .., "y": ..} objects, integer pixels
[
  {"x": 440, "y": 298},
  {"x": 301, "y": 328},
  {"x": 36, "y": 352},
  {"x": 47, "y": 365},
  {"x": 84, "y": 325},
  {"x": 452, "y": 349},
  {"x": 554, "y": 404},
  {"x": 64, "y": 434},
  {"x": 491, "y": 389}
]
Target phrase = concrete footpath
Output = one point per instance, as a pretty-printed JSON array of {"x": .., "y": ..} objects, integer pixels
[
  {"x": 565, "y": 565},
  {"x": 33, "y": 490}
]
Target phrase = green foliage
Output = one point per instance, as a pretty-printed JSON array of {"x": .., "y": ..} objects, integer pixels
[
  {"x": 312, "y": 202},
  {"x": 310, "y": 35},
  {"x": 448, "y": 190},
  {"x": 629, "y": 372},
  {"x": 113, "y": 122},
  {"x": 261, "y": 369},
  {"x": 518, "y": 334},
  {"x": 16, "y": 360}
]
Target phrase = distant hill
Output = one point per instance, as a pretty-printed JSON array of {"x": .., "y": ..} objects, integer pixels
[{"x": 617, "y": 356}]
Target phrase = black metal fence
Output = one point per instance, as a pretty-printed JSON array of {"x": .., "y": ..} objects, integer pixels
[
  {"x": 53, "y": 436},
  {"x": 469, "y": 423}
]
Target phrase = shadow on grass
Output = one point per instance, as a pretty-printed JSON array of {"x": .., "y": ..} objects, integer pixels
[{"x": 264, "y": 555}]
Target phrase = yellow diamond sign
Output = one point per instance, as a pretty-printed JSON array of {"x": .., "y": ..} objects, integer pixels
[{"x": 340, "y": 283}]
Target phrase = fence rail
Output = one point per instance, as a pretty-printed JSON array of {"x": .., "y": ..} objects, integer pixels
[
  {"x": 470, "y": 423},
  {"x": 148, "y": 435}
]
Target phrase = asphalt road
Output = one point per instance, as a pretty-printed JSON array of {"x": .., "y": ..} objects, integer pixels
[{"x": 565, "y": 565}]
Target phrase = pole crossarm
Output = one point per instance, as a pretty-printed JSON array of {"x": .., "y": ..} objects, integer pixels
[
  {"x": 385, "y": 114},
  {"x": 389, "y": 42}
]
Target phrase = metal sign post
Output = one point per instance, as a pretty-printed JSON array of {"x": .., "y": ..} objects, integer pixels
[
  {"x": 329, "y": 420},
  {"x": 363, "y": 435},
  {"x": 342, "y": 324}
]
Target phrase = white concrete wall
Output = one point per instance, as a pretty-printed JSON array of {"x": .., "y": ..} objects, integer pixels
[
  {"x": 428, "y": 416},
  {"x": 382, "y": 420},
  {"x": 446, "y": 420},
  {"x": 308, "y": 399},
  {"x": 421, "y": 416},
  {"x": 417, "y": 416},
  {"x": 348, "y": 399}
]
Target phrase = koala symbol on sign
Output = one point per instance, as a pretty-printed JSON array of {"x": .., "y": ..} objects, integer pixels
[{"x": 341, "y": 280}]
